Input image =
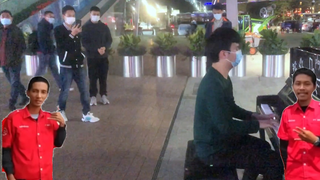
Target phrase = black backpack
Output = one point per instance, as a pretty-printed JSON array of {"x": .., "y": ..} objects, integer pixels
[{"x": 33, "y": 44}]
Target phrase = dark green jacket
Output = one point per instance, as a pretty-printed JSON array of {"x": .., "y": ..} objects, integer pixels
[
  {"x": 214, "y": 127},
  {"x": 15, "y": 45}
]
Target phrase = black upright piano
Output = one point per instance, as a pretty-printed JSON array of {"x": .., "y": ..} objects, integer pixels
[{"x": 266, "y": 104}]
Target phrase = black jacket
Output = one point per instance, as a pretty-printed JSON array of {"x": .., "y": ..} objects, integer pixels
[
  {"x": 225, "y": 23},
  {"x": 95, "y": 36},
  {"x": 15, "y": 45},
  {"x": 44, "y": 37},
  {"x": 68, "y": 48}
]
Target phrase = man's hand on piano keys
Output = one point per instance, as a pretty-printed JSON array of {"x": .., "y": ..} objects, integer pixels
[
  {"x": 305, "y": 135},
  {"x": 264, "y": 124},
  {"x": 265, "y": 116}
]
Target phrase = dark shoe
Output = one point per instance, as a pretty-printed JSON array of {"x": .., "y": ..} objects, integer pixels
[
  {"x": 24, "y": 102},
  {"x": 12, "y": 107}
]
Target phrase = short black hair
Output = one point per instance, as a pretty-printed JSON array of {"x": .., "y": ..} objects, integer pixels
[
  {"x": 38, "y": 79},
  {"x": 6, "y": 11},
  {"x": 94, "y": 8},
  {"x": 217, "y": 6},
  {"x": 221, "y": 39},
  {"x": 307, "y": 72},
  {"x": 47, "y": 12},
  {"x": 67, "y": 8}
]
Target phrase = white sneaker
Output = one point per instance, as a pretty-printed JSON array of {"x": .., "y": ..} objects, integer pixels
[
  {"x": 104, "y": 100},
  {"x": 89, "y": 118},
  {"x": 71, "y": 89},
  {"x": 93, "y": 101},
  {"x": 63, "y": 113}
]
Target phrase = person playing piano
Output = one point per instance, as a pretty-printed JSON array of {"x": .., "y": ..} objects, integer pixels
[
  {"x": 220, "y": 141},
  {"x": 299, "y": 130}
]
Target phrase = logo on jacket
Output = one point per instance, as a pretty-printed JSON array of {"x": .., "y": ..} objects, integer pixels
[{"x": 23, "y": 126}]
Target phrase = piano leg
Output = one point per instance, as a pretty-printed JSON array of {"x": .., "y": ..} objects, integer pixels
[{"x": 262, "y": 134}]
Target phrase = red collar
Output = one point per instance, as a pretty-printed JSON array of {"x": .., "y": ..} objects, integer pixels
[
  {"x": 313, "y": 104},
  {"x": 26, "y": 112}
]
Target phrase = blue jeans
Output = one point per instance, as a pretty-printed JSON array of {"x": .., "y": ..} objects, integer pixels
[
  {"x": 46, "y": 60},
  {"x": 13, "y": 76},
  {"x": 79, "y": 76}
]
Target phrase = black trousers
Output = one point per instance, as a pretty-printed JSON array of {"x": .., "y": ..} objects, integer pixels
[
  {"x": 98, "y": 70},
  {"x": 252, "y": 154}
]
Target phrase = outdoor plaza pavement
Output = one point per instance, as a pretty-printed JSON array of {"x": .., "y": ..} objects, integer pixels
[{"x": 143, "y": 133}]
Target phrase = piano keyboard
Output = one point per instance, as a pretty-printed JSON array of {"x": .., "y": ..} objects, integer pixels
[{"x": 272, "y": 132}]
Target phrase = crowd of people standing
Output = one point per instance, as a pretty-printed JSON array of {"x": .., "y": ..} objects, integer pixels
[{"x": 65, "y": 41}]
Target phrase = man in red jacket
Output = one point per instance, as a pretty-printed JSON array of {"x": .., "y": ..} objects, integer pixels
[
  {"x": 29, "y": 136},
  {"x": 299, "y": 130}
]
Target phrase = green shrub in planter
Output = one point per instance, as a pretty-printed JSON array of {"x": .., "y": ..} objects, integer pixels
[
  {"x": 272, "y": 44},
  {"x": 165, "y": 45},
  {"x": 244, "y": 46},
  {"x": 130, "y": 46},
  {"x": 310, "y": 40},
  {"x": 197, "y": 43}
]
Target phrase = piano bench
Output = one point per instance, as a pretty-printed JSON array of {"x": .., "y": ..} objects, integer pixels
[{"x": 194, "y": 169}]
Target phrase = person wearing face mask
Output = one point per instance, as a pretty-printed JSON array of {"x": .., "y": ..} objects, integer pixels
[
  {"x": 46, "y": 50},
  {"x": 96, "y": 39},
  {"x": 71, "y": 59},
  {"x": 217, "y": 21},
  {"x": 220, "y": 141},
  {"x": 12, "y": 46}
]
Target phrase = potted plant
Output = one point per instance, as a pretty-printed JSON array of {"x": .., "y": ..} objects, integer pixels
[
  {"x": 311, "y": 40},
  {"x": 196, "y": 51},
  {"x": 132, "y": 52},
  {"x": 165, "y": 51},
  {"x": 273, "y": 50},
  {"x": 240, "y": 70}
]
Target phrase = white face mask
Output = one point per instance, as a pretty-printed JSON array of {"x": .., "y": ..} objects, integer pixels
[
  {"x": 95, "y": 18},
  {"x": 217, "y": 16},
  {"x": 6, "y": 21},
  {"x": 239, "y": 57},
  {"x": 70, "y": 20},
  {"x": 51, "y": 20}
]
